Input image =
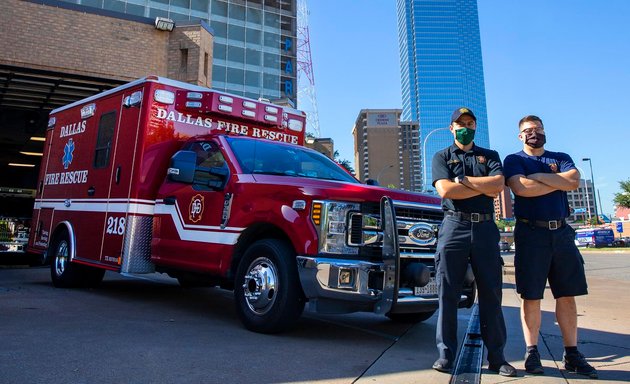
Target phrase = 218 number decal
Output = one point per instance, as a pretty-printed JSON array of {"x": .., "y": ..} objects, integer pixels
[{"x": 115, "y": 225}]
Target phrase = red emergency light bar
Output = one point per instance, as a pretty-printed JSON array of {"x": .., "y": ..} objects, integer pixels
[{"x": 201, "y": 102}]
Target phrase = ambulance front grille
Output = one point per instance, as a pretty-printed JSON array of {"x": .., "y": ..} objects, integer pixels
[{"x": 407, "y": 215}]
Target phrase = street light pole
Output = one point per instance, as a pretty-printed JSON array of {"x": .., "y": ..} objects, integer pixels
[
  {"x": 381, "y": 171},
  {"x": 588, "y": 204},
  {"x": 590, "y": 163},
  {"x": 424, "y": 157}
]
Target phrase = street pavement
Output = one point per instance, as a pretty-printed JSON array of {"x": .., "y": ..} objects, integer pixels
[
  {"x": 149, "y": 330},
  {"x": 604, "y": 333}
]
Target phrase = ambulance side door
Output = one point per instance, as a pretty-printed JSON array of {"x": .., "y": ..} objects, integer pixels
[
  {"x": 190, "y": 233},
  {"x": 119, "y": 155}
]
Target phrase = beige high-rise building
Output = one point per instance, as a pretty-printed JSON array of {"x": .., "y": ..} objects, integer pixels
[{"x": 386, "y": 149}]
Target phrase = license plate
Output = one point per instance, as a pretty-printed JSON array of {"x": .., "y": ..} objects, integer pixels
[{"x": 429, "y": 289}]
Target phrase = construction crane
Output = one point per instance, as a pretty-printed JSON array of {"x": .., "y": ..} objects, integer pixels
[{"x": 307, "y": 99}]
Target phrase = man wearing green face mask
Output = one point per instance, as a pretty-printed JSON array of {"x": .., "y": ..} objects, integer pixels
[{"x": 468, "y": 177}]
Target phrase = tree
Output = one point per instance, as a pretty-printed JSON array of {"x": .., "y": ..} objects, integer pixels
[
  {"x": 344, "y": 163},
  {"x": 622, "y": 199}
]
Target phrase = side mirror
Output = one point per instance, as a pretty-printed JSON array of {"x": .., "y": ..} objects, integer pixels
[
  {"x": 371, "y": 182},
  {"x": 182, "y": 169}
]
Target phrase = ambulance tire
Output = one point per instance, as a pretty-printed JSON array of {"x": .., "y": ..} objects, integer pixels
[
  {"x": 65, "y": 274},
  {"x": 92, "y": 277},
  {"x": 410, "y": 317},
  {"x": 267, "y": 290}
]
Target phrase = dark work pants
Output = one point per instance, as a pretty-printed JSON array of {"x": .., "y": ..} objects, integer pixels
[{"x": 461, "y": 242}]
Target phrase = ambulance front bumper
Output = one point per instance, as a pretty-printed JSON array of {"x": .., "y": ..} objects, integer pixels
[
  {"x": 346, "y": 285},
  {"x": 340, "y": 285}
]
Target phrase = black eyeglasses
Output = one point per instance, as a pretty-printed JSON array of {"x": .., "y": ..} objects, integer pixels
[{"x": 527, "y": 131}]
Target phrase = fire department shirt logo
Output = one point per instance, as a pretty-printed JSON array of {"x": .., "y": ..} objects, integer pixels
[
  {"x": 554, "y": 167},
  {"x": 67, "y": 154},
  {"x": 481, "y": 159},
  {"x": 196, "y": 208}
]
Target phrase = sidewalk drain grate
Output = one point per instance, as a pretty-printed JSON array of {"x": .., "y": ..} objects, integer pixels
[{"x": 468, "y": 367}]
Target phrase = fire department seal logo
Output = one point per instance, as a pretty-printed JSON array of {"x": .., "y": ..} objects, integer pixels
[
  {"x": 195, "y": 210},
  {"x": 554, "y": 167},
  {"x": 481, "y": 159}
]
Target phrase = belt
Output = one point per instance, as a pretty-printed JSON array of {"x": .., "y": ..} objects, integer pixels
[
  {"x": 473, "y": 217},
  {"x": 551, "y": 225}
]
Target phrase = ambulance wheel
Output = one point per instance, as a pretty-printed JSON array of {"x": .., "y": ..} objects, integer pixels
[
  {"x": 267, "y": 290},
  {"x": 91, "y": 277},
  {"x": 66, "y": 274},
  {"x": 410, "y": 317}
]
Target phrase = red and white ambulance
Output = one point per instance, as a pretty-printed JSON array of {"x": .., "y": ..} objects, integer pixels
[{"x": 218, "y": 190}]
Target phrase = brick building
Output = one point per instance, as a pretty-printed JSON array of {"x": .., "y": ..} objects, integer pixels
[{"x": 55, "y": 52}]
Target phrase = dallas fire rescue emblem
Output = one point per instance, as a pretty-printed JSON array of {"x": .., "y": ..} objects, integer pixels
[
  {"x": 195, "y": 210},
  {"x": 67, "y": 154}
]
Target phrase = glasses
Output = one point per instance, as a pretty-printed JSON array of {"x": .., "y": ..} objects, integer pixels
[{"x": 527, "y": 131}]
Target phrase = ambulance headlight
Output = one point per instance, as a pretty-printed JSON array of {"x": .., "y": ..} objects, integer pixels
[{"x": 331, "y": 220}]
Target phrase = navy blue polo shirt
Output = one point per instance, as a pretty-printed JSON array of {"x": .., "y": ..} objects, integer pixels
[
  {"x": 552, "y": 206},
  {"x": 452, "y": 162}
]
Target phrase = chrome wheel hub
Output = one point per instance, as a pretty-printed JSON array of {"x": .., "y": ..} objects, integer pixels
[
  {"x": 259, "y": 285},
  {"x": 61, "y": 257}
]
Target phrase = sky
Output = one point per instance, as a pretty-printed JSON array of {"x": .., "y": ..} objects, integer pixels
[{"x": 567, "y": 61}]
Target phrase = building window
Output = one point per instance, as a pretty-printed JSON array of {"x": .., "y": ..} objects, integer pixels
[
  {"x": 183, "y": 63},
  {"x": 205, "y": 64}
]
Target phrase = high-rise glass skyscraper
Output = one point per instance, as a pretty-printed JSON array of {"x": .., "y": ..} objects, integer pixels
[
  {"x": 255, "y": 41},
  {"x": 441, "y": 70}
]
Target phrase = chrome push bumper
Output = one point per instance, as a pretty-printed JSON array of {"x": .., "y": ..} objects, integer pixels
[
  {"x": 347, "y": 282},
  {"x": 358, "y": 283}
]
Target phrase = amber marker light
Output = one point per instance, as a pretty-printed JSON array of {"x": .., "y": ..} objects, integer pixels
[{"x": 317, "y": 213}]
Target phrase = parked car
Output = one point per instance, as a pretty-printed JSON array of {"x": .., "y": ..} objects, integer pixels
[
  {"x": 504, "y": 246},
  {"x": 620, "y": 243}
]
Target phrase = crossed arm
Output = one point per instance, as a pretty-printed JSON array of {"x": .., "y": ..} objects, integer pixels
[
  {"x": 470, "y": 186},
  {"x": 538, "y": 184}
]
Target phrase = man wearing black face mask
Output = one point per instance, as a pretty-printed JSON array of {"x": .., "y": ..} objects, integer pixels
[
  {"x": 468, "y": 177},
  {"x": 545, "y": 248}
]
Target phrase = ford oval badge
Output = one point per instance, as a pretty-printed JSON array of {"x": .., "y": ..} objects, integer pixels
[{"x": 422, "y": 234}]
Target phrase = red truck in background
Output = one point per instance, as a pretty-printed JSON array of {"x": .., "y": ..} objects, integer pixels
[{"x": 218, "y": 190}]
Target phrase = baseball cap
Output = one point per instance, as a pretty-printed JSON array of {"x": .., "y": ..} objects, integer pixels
[{"x": 462, "y": 111}]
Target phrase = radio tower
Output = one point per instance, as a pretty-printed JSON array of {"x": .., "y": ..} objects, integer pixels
[{"x": 306, "y": 79}]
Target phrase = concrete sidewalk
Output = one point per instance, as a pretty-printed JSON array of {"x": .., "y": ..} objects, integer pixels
[{"x": 604, "y": 337}]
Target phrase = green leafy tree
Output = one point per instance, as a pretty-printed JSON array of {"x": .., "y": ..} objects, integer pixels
[
  {"x": 622, "y": 199},
  {"x": 343, "y": 162}
]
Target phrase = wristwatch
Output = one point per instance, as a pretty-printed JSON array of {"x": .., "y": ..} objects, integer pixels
[{"x": 458, "y": 180}]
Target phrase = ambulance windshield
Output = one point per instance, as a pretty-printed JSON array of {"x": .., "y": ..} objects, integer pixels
[{"x": 272, "y": 158}]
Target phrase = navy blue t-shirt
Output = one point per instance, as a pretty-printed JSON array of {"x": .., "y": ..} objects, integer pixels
[
  {"x": 552, "y": 206},
  {"x": 452, "y": 162}
]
